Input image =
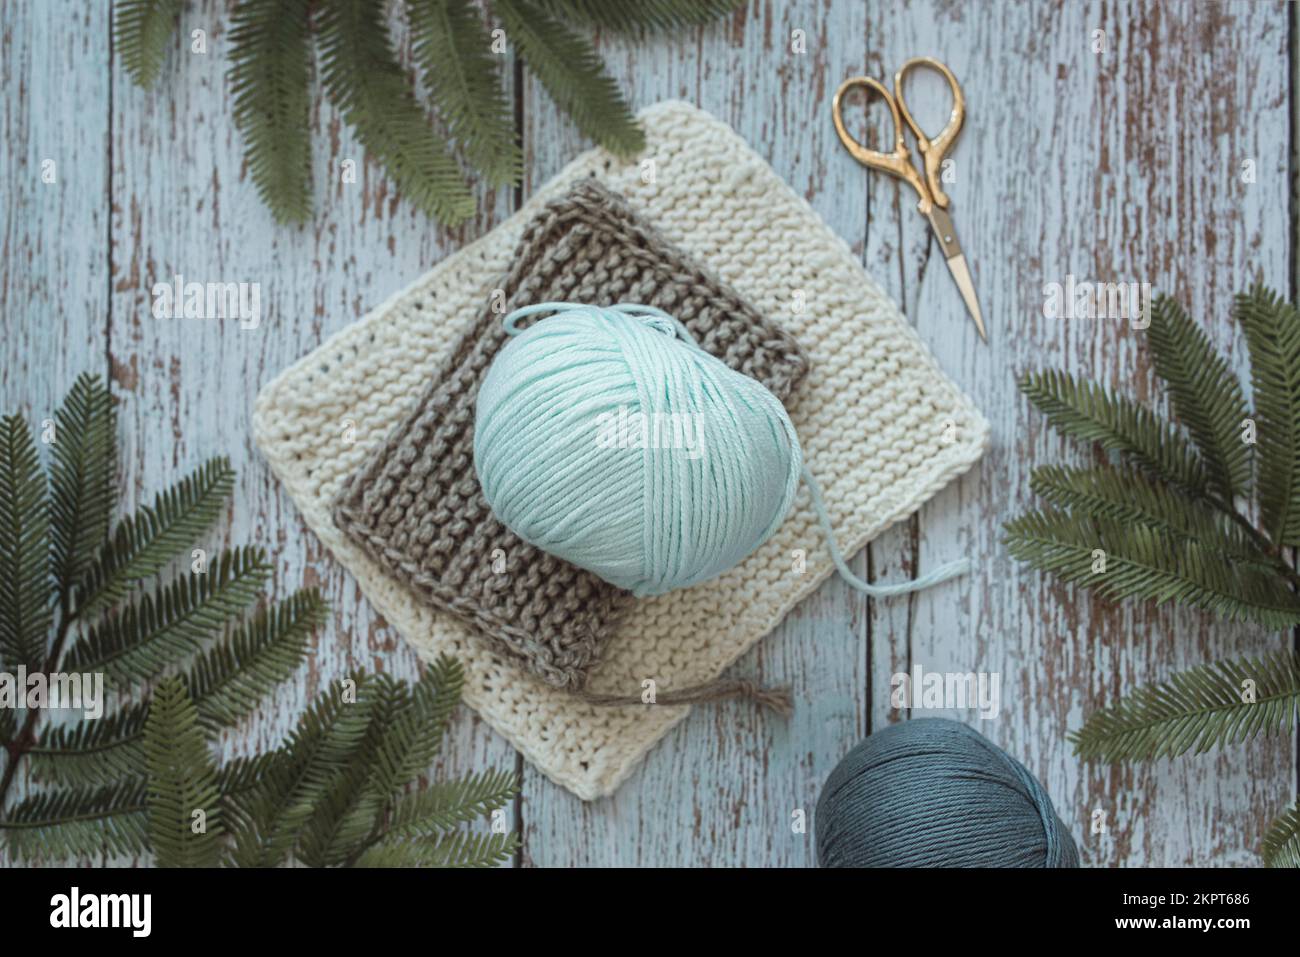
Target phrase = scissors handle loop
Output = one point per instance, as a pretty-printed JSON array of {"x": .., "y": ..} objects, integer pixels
[
  {"x": 932, "y": 150},
  {"x": 897, "y": 163}
]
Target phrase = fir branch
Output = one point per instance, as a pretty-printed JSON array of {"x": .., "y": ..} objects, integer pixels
[
  {"x": 230, "y": 680},
  {"x": 1144, "y": 562},
  {"x": 412, "y": 736},
  {"x": 1282, "y": 842},
  {"x": 145, "y": 638},
  {"x": 352, "y": 810},
  {"x": 82, "y": 479},
  {"x": 366, "y": 83},
  {"x": 638, "y": 15},
  {"x": 25, "y": 587},
  {"x": 1207, "y": 397},
  {"x": 79, "y": 822},
  {"x": 92, "y": 753},
  {"x": 1085, "y": 411},
  {"x": 454, "y": 51},
  {"x": 438, "y": 693},
  {"x": 1127, "y": 496},
  {"x": 226, "y": 683},
  {"x": 141, "y": 29},
  {"x": 446, "y": 805},
  {"x": 405, "y": 734},
  {"x": 343, "y": 822},
  {"x": 270, "y": 77},
  {"x": 144, "y": 543},
  {"x": 573, "y": 73},
  {"x": 1226, "y": 702},
  {"x": 184, "y": 819},
  {"x": 452, "y": 850},
  {"x": 321, "y": 746},
  {"x": 1273, "y": 335}
]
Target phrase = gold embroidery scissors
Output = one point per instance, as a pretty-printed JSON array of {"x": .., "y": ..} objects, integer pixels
[{"x": 934, "y": 201}]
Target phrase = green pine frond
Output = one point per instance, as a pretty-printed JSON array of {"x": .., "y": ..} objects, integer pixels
[
  {"x": 406, "y": 727},
  {"x": 439, "y": 691},
  {"x": 270, "y": 74},
  {"x": 82, "y": 478},
  {"x": 571, "y": 70},
  {"x": 344, "y": 823},
  {"x": 445, "y": 805},
  {"x": 242, "y": 776},
  {"x": 1085, "y": 411},
  {"x": 1206, "y": 395},
  {"x": 231, "y": 679},
  {"x": 635, "y": 15},
  {"x": 1226, "y": 702},
  {"x": 321, "y": 747},
  {"x": 148, "y": 636},
  {"x": 1146, "y": 563},
  {"x": 226, "y": 683},
  {"x": 79, "y": 822},
  {"x": 1127, "y": 496},
  {"x": 243, "y": 785},
  {"x": 141, "y": 29},
  {"x": 1273, "y": 335},
  {"x": 93, "y": 753},
  {"x": 184, "y": 818},
  {"x": 454, "y": 51},
  {"x": 411, "y": 736},
  {"x": 367, "y": 84},
  {"x": 453, "y": 850},
  {"x": 25, "y": 588},
  {"x": 143, "y": 543},
  {"x": 1282, "y": 842},
  {"x": 351, "y": 812},
  {"x": 397, "y": 854},
  {"x": 8, "y": 726}
]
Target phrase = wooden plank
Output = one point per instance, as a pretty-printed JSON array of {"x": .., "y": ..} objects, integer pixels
[
  {"x": 53, "y": 274},
  {"x": 184, "y": 204},
  {"x": 53, "y": 209},
  {"x": 1119, "y": 165},
  {"x": 724, "y": 786}
]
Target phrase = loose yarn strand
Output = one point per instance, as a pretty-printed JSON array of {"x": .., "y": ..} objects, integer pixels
[{"x": 941, "y": 574}]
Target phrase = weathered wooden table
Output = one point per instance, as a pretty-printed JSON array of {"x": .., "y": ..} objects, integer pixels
[{"x": 1109, "y": 141}]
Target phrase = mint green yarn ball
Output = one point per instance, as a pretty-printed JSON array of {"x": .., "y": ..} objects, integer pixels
[{"x": 608, "y": 438}]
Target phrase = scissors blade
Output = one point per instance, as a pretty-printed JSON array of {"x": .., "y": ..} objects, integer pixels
[{"x": 941, "y": 223}]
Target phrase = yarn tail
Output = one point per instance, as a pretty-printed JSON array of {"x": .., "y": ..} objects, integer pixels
[
  {"x": 778, "y": 700},
  {"x": 940, "y": 574}
]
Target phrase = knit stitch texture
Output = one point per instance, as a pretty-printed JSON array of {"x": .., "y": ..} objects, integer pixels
[
  {"x": 882, "y": 428},
  {"x": 416, "y": 507}
]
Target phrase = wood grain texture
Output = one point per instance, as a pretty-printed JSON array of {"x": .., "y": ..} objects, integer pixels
[
  {"x": 54, "y": 208},
  {"x": 1119, "y": 165}
]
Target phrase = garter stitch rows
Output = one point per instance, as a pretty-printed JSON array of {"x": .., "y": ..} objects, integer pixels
[
  {"x": 416, "y": 506},
  {"x": 880, "y": 423}
]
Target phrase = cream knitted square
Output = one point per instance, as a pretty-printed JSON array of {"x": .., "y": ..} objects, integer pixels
[{"x": 882, "y": 429}]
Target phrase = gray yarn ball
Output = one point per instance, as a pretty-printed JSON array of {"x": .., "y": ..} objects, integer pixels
[{"x": 930, "y": 792}]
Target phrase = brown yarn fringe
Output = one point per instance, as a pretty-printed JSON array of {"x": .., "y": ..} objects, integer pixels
[{"x": 778, "y": 700}]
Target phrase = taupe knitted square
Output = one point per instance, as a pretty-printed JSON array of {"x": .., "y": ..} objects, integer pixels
[{"x": 416, "y": 507}]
